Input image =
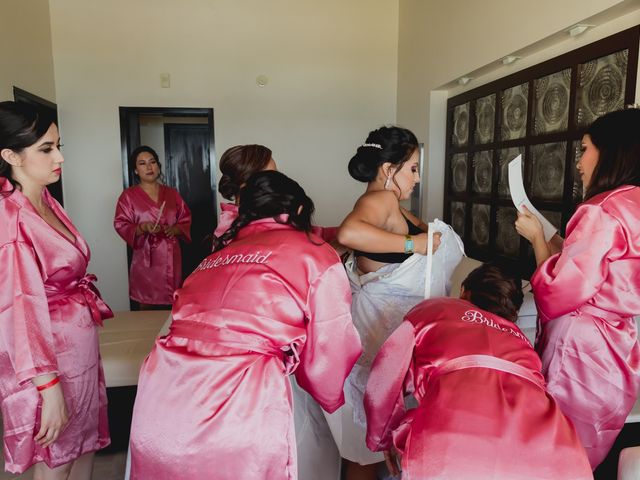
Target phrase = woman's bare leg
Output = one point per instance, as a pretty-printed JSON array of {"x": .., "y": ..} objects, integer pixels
[
  {"x": 82, "y": 468},
  {"x": 42, "y": 472}
]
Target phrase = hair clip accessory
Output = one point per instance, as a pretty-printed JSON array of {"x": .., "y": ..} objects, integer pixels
[{"x": 372, "y": 145}]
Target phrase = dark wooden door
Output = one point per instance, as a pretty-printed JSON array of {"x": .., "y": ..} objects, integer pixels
[{"x": 188, "y": 170}]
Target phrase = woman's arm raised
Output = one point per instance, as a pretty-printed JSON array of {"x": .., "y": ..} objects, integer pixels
[{"x": 364, "y": 228}]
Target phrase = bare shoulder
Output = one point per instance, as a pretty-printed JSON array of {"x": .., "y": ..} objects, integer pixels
[
  {"x": 374, "y": 208},
  {"x": 380, "y": 200}
]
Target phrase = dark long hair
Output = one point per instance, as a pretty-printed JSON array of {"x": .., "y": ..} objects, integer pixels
[
  {"x": 133, "y": 158},
  {"x": 21, "y": 125},
  {"x": 269, "y": 194},
  {"x": 616, "y": 135},
  {"x": 496, "y": 289},
  {"x": 386, "y": 144},
  {"x": 237, "y": 164}
]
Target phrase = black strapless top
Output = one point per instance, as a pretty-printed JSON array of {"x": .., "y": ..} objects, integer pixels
[{"x": 391, "y": 257}]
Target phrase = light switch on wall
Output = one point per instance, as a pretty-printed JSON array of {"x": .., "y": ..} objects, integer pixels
[{"x": 165, "y": 80}]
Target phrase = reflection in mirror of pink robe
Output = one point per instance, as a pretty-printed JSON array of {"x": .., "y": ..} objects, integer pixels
[
  {"x": 229, "y": 212},
  {"x": 49, "y": 312},
  {"x": 586, "y": 297},
  {"x": 213, "y": 398},
  {"x": 482, "y": 413},
  {"x": 156, "y": 266}
]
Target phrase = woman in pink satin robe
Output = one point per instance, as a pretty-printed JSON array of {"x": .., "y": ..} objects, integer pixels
[
  {"x": 237, "y": 164},
  {"x": 483, "y": 412},
  {"x": 151, "y": 218},
  {"x": 587, "y": 290},
  {"x": 213, "y": 398},
  {"x": 54, "y": 405}
]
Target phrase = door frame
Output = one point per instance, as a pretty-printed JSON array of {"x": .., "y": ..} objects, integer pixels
[
  {"x": 130, "y": 135},
  {"x": 130, "y": 139}
]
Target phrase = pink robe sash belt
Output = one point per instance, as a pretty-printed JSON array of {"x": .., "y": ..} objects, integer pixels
[
  {"x": 85, "y": 292},
  {"x": 204, "y": 332},
  {"x": 592, "y": 311},
  {"x": 600, "y": 313},
  {"x": 485, "y": 361},
  {"x": 153, "y": 241},
  {"x": 401, "y": 434}
]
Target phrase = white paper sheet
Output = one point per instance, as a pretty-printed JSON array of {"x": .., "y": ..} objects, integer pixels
[{"x": 519, "y": 196}]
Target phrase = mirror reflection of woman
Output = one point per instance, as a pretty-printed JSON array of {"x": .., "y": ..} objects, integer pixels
[
  {"x": 587, "y": 287},
  {"x": 151, "y": 218},
  {"x": 52, "y": 387}
]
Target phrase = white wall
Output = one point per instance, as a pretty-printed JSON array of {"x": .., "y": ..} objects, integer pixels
[
  {"x": 332, "y": 69},
  {"x": 442, "y": 40},
  {"x": 25, "y": 49}
]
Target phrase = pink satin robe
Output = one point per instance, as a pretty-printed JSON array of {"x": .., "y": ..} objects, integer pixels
[
  {"x": 49, "y": 313},
  {"x": 156, "y": 265},
  {"x": 482, "y": 414},
  {"x": 587, "y": 296},
  {"x": 213, "y": 398},
  {"x": 229, "y": 212}
]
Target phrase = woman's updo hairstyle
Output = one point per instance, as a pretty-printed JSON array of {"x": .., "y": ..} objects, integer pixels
[
  {"x": 21, "y": 125},
  {"x": 269, "y": 194},
  {"x": 386, "y": 144},
  {"x": 237, "y": 164},
  {"x": 496, "y": 289}
]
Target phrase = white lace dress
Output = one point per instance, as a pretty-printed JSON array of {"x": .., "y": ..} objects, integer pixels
[{"x": 380, "y": 301}]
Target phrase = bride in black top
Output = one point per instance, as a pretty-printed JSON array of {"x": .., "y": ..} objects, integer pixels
[{"x": 380, "y": 231}]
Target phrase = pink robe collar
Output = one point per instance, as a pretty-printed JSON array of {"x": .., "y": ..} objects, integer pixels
[
  {"x": 229, "y": 207},
  {"x": 603, "y": 196},
  {"x": 271, "y": 223},
  {"x": 144, "y": 196},
  {"x": 20, "y": 199}
]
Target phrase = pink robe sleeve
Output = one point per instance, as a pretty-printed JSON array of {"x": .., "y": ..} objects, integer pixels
[
  {"x": 228, "y": 213},
  {"x": 24, "y": 313},
  {"x": 332, "y": 345},
  {"x": 328, "y": 234},
  {"x": 124, "y": 222},
  {"x": 384, "y": 396},
  {"x": 184, "y": 218},
  {"x": 572, "y": 277}
]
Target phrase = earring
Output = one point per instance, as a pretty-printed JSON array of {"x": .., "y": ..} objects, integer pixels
[{"x": 387, "y": 183}]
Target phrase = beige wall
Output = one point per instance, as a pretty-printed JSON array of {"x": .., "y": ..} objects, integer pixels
[
  {"x": 442, "y": 40},
  {"x": 25, "y": 49},
  {"x": 332, "y": 69}
]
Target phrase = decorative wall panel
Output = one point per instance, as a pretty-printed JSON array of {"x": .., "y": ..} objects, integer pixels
[{"x": 540, "y": 113}]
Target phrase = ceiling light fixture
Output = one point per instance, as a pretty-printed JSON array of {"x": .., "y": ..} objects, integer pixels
[
  {"x": 509, "y": 59},
  {"x": 578, "y": 29}
]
